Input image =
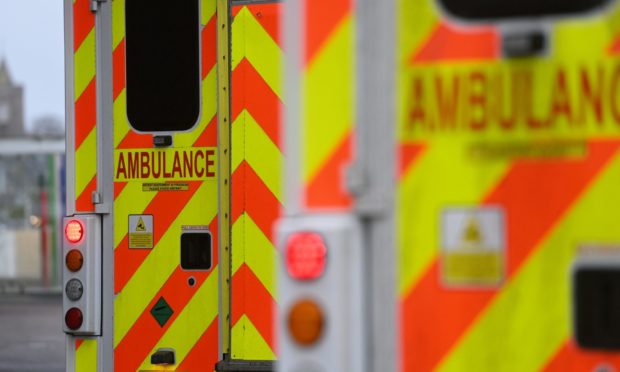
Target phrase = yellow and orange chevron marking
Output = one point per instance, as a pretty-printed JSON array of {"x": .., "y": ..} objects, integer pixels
[
  {"x": 143, "y": 276},
  {"x": 328, "y": 102},
  {"x": 85, "y": 94},
  {"x": 257, "y": 176},
  {"x": 552, "y": 204}
]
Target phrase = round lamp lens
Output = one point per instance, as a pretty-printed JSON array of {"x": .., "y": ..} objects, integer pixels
[
  {"x": 74, "y": 260},
  {"x": 74, "y": 318},
  {"x": 74, "y": 231},
  {"x": 305, "y": 322}
]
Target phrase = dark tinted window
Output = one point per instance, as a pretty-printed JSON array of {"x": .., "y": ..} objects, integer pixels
[
  {"x": 597, "y": 305},
  {"x": 487, "y": 9},
  {"x": 196, "y": 251},
  {"x": 163, "y": 64}
]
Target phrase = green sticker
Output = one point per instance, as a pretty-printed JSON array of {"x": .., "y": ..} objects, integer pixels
[{"x": 162, "y": 311}]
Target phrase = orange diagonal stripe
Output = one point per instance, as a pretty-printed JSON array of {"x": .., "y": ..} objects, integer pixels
[
  {"x": 118, "y": 67},
  {"x": 167, "y": 205},
  {"x": 408, "y": 153},
  {"x": 84, "y": 202},
  {"x": 253, "y": 300},
  {"x": 448, "y": 43},
  {"x": 145, "y": 332},
  {"x": 203, "y": 355},
  {"x": 257, "y": 199},
  {"x": 430, "y": 324},
  {"x": 268, "y": 15},
  {"x": 209, "y": 52},
  {"x": 252, "y": 93},
  {"x": 571, "y": 358},
  {"x": 322, "y": 18},
  {"x": 327, "y": 189},
  {"x": 83, "y": 22},
  {"x": 85, "y": 113}
]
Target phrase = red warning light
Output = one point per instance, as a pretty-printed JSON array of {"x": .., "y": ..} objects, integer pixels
[
  {"x": 74, "y": 318},
  {"x": 306, "y": 255},
  {"x": 74, "y": 231}
]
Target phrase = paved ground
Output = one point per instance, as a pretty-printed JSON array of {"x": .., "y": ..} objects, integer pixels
[{"x": 31, "y": 338}]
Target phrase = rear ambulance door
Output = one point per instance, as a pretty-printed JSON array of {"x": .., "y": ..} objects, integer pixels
[
  {"x": 509, "y": 140},
  {"x": 257, "y": 164},
  {"x": 165, "y": 185}
]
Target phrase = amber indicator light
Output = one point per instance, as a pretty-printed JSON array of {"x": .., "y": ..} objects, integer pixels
[
  {"x": 74, "y": 260},
  {"x": 306, "y": 322}
]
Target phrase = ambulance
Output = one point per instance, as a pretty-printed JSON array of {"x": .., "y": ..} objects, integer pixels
[{"x": 447, "y": 200}]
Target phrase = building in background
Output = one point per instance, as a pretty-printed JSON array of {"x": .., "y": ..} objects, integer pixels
[
  {"x": 11, "y": 105},
  {"x": 29, "y": 187}
]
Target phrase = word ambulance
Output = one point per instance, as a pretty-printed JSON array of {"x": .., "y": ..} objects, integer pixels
[
  {"x": 507, "y": 98},
  {"x": 183, "y": 164}
]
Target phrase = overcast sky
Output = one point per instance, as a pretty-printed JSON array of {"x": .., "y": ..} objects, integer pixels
[{"x": 32, "y": 42}]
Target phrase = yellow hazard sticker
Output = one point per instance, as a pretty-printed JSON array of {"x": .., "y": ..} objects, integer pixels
[
  {"x": 141, "y": 231},
  {"x": 472, "y": 247}
]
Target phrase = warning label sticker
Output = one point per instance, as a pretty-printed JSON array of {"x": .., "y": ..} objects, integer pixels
[
  {"x": 141, "y": 231},
  {"x": 472, "y": 247},
  {"x": 165, "y": 186}
]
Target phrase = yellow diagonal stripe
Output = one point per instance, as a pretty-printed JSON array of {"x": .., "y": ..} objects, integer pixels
[
  {"x": 260, "y": 257},
  {"x": 118, "y": 22},
  {"x": 85, "y": 64},
  {"x": 131, "y": 201},
  {"x": 143, "y": 285},
  {"x": 454, "y": 180},
  {"x": 329, "y": 102},
  {"x": 191, "y": 323},
  {"x": 514, "y": 333},
  {"x": 413, "y": 36},
  {"x": 121, "y": 124},
  {"x": 264, "y": 54},
  {"x": 263, "y": 156},
  {"x": 250, "y": 40},
  {"x": 237, "y": 38},
  {"x": 85, "y": 162},
  {"x": 207, "y": 11},
  {"x": 254, "y": 346},
  {"x": 86, "y": 357},
  {"x": 238, "y": 141},
  {"x": 208, "y": 111}
]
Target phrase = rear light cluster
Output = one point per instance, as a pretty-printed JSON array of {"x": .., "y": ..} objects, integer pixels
[
  {"x": 74, "y": 260},
  {"x": 306, "y": 260}
]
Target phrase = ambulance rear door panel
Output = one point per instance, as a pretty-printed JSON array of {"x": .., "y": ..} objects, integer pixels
[{"x": 165, "y": 185}]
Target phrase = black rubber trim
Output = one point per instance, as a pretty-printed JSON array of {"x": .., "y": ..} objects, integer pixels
[{"x": 245, "y": 366}]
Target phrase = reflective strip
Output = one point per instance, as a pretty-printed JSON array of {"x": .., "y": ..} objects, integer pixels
[
  {"x": 251, "y": 41},
  {"x": 262, "y": 154},
  {"x": 85, "y": 165},
  {"x": 85, "y": 65},
  {"x": 260, "y": 257},
  {"x": 328, "y": 112},
  {"x": 252, "y": 339},
  {"x": 257, "y": 176},
  {"x": 143, "y": 285},
  {"x": 85, "y": 131},
  {"x": 516, "y": 312},
  {"x": 446, "y": 155},
  {"x": 86, "y": 356},
  {"x": 193, "y": 319}
]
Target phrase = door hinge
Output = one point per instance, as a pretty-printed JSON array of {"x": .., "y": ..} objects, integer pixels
[{"x": 94, "y": 5}]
